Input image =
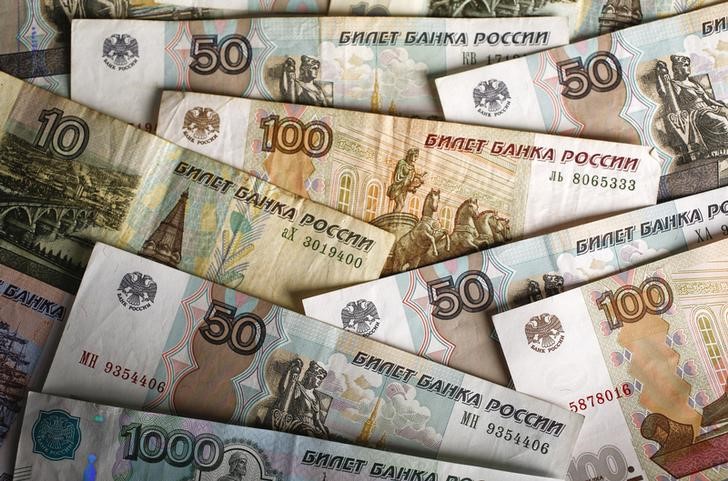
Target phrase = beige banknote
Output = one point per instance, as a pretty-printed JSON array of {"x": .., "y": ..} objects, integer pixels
[
  {"x": 644, "y": 356},
  {"x": 443, "y": 189},
  {"x": 142, "y": 335},
  {"x": 376, "y": 65},
  {"x": 35, "y": 35},
  {"x": 72, "y": 176}
]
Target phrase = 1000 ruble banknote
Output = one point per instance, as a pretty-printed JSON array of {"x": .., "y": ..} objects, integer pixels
[
  {"x": 381, "y": 65},
  {"x": 72, "y": 176},
  {"x": 443, "y": 189},
  {"x": 644, "y": 356},
  {"x": 444, "y": 311},
  {"x": 143, "y": 335},
  {"x": 104, "y": 443},
  {"x": 661, "y": 84}
]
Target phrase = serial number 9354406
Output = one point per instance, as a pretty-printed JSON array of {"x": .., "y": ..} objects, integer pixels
[{"x": 516, "y": 438}]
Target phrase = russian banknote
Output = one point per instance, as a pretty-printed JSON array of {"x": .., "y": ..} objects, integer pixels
[
  {"x": 71, "y": 176},
  {"x": 443, "y": 311},
  {"x": 443, "y": 189},
  {"x": 144, "y": 335},
  {"x": 587, "y": 18},
  {"x": 644, "y": 356},
  {"x": 35, "y": 35},
  {"x": 32, "y": 316},
  {"x": 94, "y": 441},
  {"x": 378, "y": 65},
  {"x": 661, "y": 84},
  {"x": 460, "y": 8},
  {"x": 275, "y": 6}
]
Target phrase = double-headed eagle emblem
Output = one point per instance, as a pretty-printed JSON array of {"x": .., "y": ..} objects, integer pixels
[
  {"x": 491, "y": 95},
  {"x": 121, "y": 49},
  {"x": 138, "y": 289},
  {"x": 544, "y": 333}
]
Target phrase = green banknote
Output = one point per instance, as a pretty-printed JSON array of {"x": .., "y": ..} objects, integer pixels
[
  {"x": 663, "y": 84},
  {"x": 70, "y": 176},
  {"x": 35, "y": 35},
  {"x": 443, "y": 189},
  {"x": 145, "y": 336},
  {"x": 644, "y": 356},
  {"x": 68, "y": 440}
]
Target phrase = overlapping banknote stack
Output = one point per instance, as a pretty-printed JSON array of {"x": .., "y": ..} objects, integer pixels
[{"x": 421, "y": 240}]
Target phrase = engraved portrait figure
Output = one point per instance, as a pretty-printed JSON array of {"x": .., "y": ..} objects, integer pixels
[
  {"x": 298, "y": 408},
  {"x": 405, "y": 179},
  {"x": 695, "y": 120},
  {"x": 305, "y": 87},
  {"x": 238, "y": 468}
]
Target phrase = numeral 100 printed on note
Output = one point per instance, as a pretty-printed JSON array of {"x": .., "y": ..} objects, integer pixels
[{"x": 443, "y": 189}]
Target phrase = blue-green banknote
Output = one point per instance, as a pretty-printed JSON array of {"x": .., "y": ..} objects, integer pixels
[{"x": 145, "y": 336}]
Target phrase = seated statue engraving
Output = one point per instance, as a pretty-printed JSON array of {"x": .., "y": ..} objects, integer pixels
[
  {"x": 305, "y": 88},
  {"x": 695, "y": 120},
  {"x": 298, "y": 407}
]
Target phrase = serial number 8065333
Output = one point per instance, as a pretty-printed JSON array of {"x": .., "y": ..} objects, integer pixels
[{"x": 604, "y": 181}]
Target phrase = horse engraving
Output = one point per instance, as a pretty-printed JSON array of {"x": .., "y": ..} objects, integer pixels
[{"x": 412, "y": 247}]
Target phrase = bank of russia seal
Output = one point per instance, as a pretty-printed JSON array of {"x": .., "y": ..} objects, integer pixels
[
  {"x": 56, "y": 435},
  {"x": 121, "y": 51},
  {"x": 137, "y": 291},
  {"x": 491, "y": 98},
  {"x": 361, "y": 317},
  {"x": 544, "y": 333},
  {"x": 201, "y": 125}
]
